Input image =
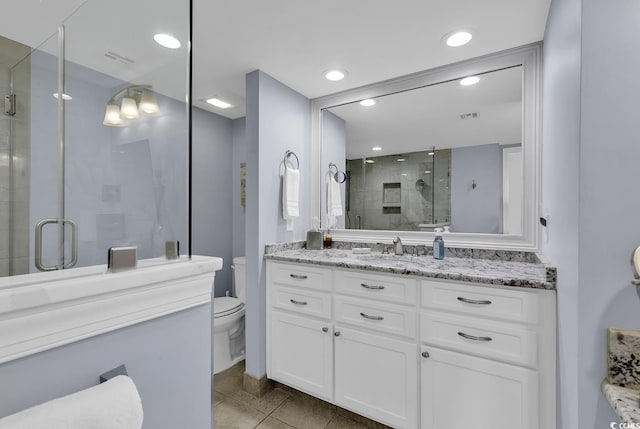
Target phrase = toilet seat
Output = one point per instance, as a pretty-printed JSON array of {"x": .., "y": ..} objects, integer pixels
[{"x": 226, "y": 305}]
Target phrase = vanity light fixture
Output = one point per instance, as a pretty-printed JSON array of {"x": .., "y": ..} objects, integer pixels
[
  {"x": 167, "y": 40},
  {"x": 376, "y": 148},
  {"x": 470, "y": 80},
  {"x": 368, "y": 102},
  {"x": 218, "y": 103},
  {"x": 458, "y": 38},
  {"x": 135, "y": 101},
  {"x": 335, "y": 75},
  {"x": 65, "y": 97}
]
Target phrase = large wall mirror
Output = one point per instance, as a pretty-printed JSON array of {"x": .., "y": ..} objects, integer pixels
[{"x": 454, "y": 147}]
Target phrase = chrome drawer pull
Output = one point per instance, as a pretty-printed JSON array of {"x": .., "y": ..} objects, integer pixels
[
  {"x": 474, "y": 338},
  {"x": 474, "y": 301},
  {"x": 366, "y": 286},
  {"x": 325, "y": 329},
  {"x": 298, "y": 277},
  {"x": 366, "y": 316},
  {"x": 293, "y": 301}
]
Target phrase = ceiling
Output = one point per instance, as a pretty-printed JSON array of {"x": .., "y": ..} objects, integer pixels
[
  {"x": 291, "y": 40},
  {"x": 414, "y": 121}
]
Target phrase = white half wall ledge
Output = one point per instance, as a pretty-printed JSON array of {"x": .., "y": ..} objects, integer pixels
[{"x": 42, "y": 311}]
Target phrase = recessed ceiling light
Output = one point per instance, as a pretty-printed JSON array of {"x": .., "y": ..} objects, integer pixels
[
  {"x": 404, "y": 174},
  {"x": 431, "y": 153},
  {"x": 471, "y": 80},
  {"x": 218, "y": 103},
  {"x": 458, "y": 38},
  {"x": 427, "y": 171},
  {"x": 64, "y": 96},
  {"x": 376, "y": 148},
  {"x": 401, "y": 159},
  {"x": 335, "y": 75},
  {"x": 167, "y": 40},
  {"x": 368, "y": 102},
  {"x": 369, "y": 161}
]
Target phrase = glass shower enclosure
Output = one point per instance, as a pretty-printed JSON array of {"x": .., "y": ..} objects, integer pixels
[{"x": 95, "y": 139}]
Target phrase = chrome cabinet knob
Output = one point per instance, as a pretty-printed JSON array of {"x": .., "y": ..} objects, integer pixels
[
  {"x": 425, "y": 354},
  {"x": 325, "y": 329},
  {"x": 337, "y": 333}
]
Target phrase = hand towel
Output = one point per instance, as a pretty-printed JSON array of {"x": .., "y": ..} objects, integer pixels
[
  {"x": 334, "y": 201},
  {"x": 114, "y": 404},
  {"x": 290, "y": 196}
]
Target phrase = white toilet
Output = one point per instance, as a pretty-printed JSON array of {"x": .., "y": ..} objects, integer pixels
[{"x": 228, "y": 323}]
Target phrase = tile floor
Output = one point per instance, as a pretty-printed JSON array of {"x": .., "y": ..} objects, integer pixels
[{"x": 280, "y": 408}]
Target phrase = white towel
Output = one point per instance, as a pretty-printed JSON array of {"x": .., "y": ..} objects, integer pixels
[
  {"x": 334, "y": 201},
  {"x": 290, "y": 196},
  {"x": 114, "y": 404}
]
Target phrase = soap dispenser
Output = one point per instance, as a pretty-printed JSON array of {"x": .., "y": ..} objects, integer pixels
[{"x": 438, "y": 245}]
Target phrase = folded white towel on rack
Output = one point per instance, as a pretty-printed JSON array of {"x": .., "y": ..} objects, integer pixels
[
  {"x": 290, "y": 196},
  {"x": 334, "y": 201},
  {"x": 114, "y": 404}
]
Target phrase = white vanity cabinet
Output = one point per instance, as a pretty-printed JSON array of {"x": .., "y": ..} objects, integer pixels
[
  {"x": 300, "y": 330},
  {"x": 412, "y": 352},
  {"x": 375, "y": 346},
  {"x": 487, "y": 357}
]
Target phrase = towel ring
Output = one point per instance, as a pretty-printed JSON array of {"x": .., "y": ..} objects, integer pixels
[
  {"x": 286, "y": 159},
  {"x": 339, "y": 176}
]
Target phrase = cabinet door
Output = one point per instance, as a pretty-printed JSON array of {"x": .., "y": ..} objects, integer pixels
[
  {"x": 377, "y": 376},
  {"x": 461, "y": 391},
  {"x": 301, "y": 353}
]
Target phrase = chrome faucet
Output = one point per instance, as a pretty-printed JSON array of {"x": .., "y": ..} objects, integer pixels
[{"x": 397, "y": 245}]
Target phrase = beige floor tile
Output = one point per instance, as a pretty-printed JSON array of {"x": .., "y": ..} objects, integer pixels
[
  {"x": 218, "y": 398},
  {"x": 304, "y": 413},
  {"x": 231, "y": 414},
  {"x": 339, "y": 422},
  {"x": 266, "y": 404},
  {"x": 228, "y": 381},
  {"x": 271, "y": 423}
]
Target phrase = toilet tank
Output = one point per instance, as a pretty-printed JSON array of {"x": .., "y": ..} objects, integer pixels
[{"x": 239, "y": 275}]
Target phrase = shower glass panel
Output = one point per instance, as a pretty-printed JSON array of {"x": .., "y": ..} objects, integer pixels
[{"x": 123, "y": 176}]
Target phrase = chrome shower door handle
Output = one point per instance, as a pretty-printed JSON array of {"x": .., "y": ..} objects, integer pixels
[
  {"x": 74, "y": 244},
  {"x": 38, "y": 245}
]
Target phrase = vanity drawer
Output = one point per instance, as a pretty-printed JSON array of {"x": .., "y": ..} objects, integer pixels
[
  {"x": 495, "y": 340},
  {"x": 515, "y": 305},
  {"x": 375, "y": 286},
  {"x": 390, "y": 318},
  {"x": 302, "y": 301},
  {"x": 300, "y": 275}
]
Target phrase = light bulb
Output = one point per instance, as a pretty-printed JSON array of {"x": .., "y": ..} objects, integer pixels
[{"x": 129, "y": 109}]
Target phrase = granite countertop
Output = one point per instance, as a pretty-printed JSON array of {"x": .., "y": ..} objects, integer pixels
[
  {"x": 491, "y": 271},
  {"x": 621, "y": 387},
  {"x": 624, "y": 401}
]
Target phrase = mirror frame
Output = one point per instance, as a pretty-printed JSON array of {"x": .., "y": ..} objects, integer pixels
[{"x": 529, "y": 57}]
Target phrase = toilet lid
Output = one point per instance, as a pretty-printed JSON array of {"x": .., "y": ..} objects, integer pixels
[{"x": 226, "y": 305}]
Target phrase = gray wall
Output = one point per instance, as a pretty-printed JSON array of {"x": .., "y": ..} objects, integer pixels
[
  {"x": 560, "y": 190},
  {"x": 278, "y": 119},
  {"x": 168, "y": 358},
  {"x": 480, "y": 209},
  {"x": 238, "y": 133},
  {"x": 212, "y": 197},
  {"x": 590, "y": 174}
]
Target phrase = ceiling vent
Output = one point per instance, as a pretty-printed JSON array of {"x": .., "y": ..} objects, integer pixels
[
  {"x": 472, "y": 115},
  {"x": 117, "y": 57}
]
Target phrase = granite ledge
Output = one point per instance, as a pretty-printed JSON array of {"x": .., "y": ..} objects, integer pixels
[
  {"x": 624, "y": 401},
  {"x": 496, "y": 272}
]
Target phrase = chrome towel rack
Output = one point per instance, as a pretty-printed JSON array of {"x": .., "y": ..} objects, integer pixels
[
  {"x": 339, "y": 176},
  {"x": 287, "y": 155}
]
